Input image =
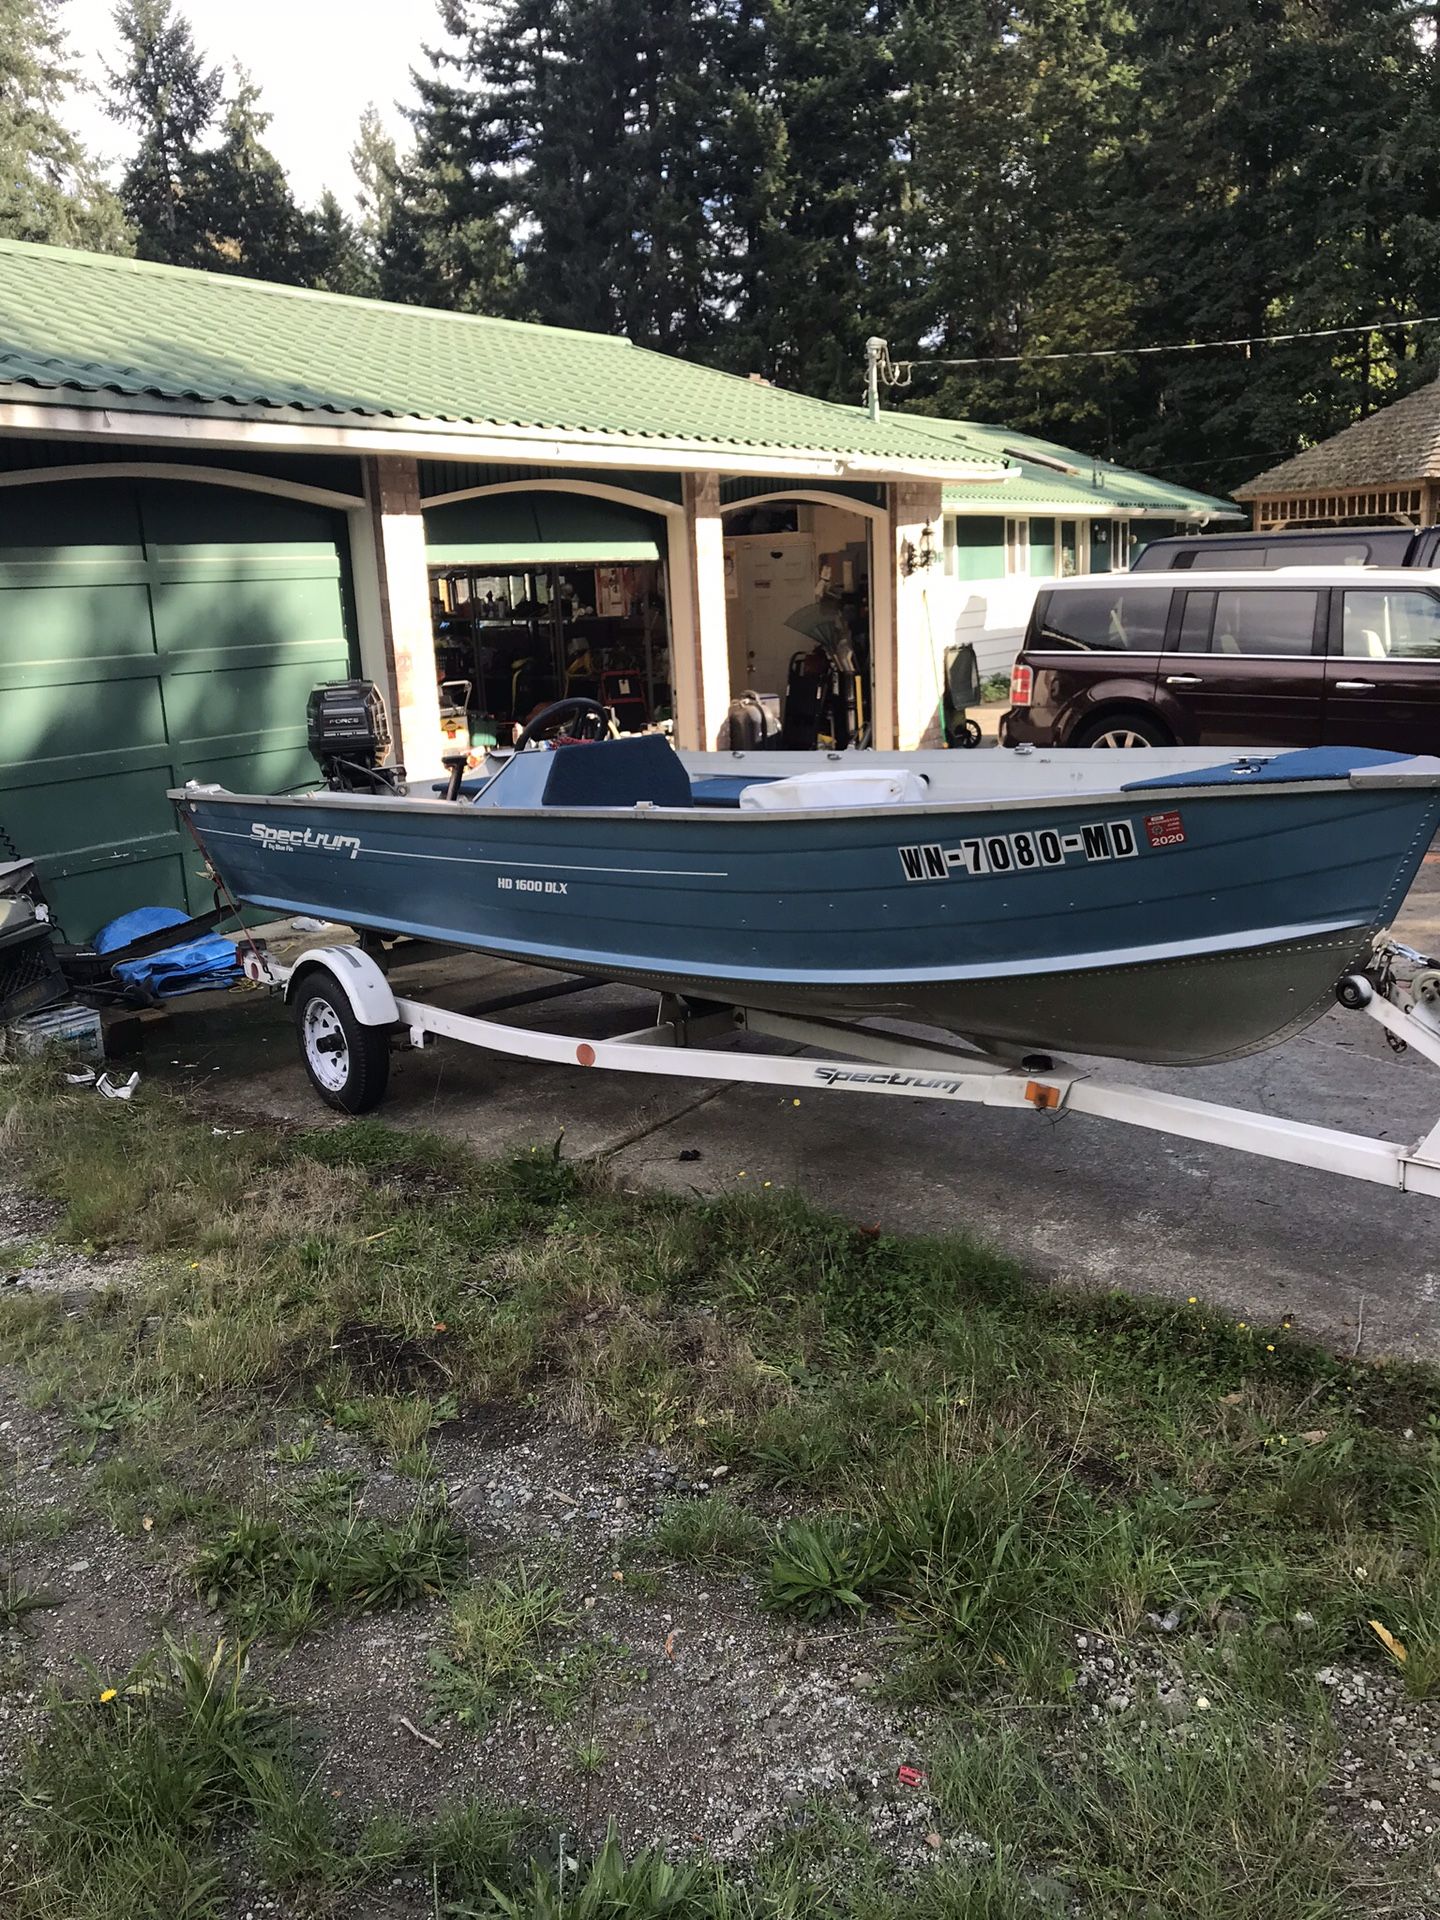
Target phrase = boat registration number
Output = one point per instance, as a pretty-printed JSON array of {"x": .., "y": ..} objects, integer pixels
[{"x": 1026, "y": 852}]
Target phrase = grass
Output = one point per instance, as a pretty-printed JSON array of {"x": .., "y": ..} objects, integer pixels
[
  {"x": 504, "y": 1640},
  {"x": 989, "y": 1465},
  {"x": 1000, "y": 1464},
  {"x": 281, "y": 1573},
  {"x": 1225, "y": 1823},
  {"x": 144, "y": 1792},
  {"x": 122, "y": 1806},
  {"x": 712, "y": 1531}
]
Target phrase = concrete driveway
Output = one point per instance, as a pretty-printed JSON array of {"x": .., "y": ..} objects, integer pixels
[{"x": 1084, "y": 1201}]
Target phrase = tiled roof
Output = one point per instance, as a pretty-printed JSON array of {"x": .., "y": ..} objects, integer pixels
[
  {"x": 1398, "y": 445},
  {"x": 94, "y": 325},
  {"x": 1093, "y": 486}
]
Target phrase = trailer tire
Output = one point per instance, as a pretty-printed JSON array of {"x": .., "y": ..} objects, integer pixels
[{"x": 348, "y": 1062}]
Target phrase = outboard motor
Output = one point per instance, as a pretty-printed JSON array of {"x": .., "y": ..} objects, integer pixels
[{"x": 348, "y": 732}]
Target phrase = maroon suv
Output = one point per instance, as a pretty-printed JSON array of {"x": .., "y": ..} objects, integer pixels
[{"x": 1303, "y": 657}]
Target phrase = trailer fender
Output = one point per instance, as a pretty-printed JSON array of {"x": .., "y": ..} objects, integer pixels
[{"x": 358, "y": 977}]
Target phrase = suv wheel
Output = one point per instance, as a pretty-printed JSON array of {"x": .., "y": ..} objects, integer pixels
[{"x": 1122, "y": 730}]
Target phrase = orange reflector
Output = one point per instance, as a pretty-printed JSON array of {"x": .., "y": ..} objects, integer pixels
[
  {"x": 1039, "y": 1095},
  {"x": 585, "y": 1054}
]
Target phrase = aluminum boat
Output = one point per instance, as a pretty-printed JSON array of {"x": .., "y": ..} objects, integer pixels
[{"x": 1177, "y": 906}]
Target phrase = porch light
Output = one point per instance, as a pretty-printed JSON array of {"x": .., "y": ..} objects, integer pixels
[{"x": 919, "y": 559}]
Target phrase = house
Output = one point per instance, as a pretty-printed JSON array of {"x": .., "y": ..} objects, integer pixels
[
  {"x": 1053, "y": 513},
  {"x": 216, "y": 493},
  {"x": 1385, "y": 467}
]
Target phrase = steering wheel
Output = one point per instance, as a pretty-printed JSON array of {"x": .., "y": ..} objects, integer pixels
[{"x": 586, "y": 710}]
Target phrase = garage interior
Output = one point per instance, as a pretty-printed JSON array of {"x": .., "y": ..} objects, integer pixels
[
  {"x": 538, "y": 596},
  {"x": 797, "y": 587}
]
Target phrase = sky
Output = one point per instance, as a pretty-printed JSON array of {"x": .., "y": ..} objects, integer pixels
[{"x": 318, "y": 64}]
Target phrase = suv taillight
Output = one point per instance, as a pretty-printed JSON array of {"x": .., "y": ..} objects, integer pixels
[{"x": 1022, "y": 684}]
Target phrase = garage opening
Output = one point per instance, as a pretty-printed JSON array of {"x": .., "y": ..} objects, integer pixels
[
  {"x": 797, "y": 583},
  {"x": 541, "y": 596}
]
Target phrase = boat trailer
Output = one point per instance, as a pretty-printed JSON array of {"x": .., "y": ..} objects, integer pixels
[{"x": 347, "y": 1014}]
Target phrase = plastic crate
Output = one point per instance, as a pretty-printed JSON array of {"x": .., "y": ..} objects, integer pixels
[
  {"x": 75, "y": 1028},
  {"x": 30, "y": 975}
]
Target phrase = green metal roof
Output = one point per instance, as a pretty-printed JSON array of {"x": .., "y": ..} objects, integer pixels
[
  {"x": 1034, "y": 481},
  {"x": 94, "y": 325}
]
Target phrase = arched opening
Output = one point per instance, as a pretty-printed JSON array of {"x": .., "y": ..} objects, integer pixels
[
  {"x": 809, "y": 614},
  {"x": 542, "y": 589}
]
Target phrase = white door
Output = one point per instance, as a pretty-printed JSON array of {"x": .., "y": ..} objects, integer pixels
[{"x": 774, "y": 577}]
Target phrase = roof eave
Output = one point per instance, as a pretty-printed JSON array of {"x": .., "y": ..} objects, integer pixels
[{"x": 65, "y": 414}]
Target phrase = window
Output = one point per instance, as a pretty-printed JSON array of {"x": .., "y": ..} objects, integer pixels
[
  {"x": 1017, "y": 546},
  {"x": 1130, "y": 620},
  {"x": 1213, "y": 558},
  {"x": 1319, "y": 553},
  {"x": 1264, "y": 622},
  {"x": 1120, "y": 547},
  {"x": 1391, "y": 626},
  {"x": 1196, "y": 622}
]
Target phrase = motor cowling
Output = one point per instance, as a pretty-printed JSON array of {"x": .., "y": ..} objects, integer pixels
[{"x": 348, "y": 732}]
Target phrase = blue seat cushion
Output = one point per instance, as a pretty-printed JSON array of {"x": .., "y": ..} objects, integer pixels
[
  {"x": 617, "y": 773},
  {"x": 1302, "y": 763},
  {"x": 724, "y": 789}
]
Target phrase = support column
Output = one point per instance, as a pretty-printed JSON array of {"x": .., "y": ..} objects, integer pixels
[
  {"x": 700, "y": 638},
  {"x": 921, "y": 611},
  {"x": 397, "y": 532}
]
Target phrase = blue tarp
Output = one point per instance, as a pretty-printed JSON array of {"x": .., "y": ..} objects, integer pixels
[{"x": 190, "y": 968}]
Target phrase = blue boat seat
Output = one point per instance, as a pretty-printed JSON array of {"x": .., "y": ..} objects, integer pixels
[
  {"x": 723, "y": 789},
  {"x": 1301, "y": 763},
  {"x": 617, "y": 773}
]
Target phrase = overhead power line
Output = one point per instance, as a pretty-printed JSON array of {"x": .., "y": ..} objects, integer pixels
[{"x": 897, "y": 372}]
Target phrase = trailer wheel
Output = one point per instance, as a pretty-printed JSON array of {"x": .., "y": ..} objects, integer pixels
[{"x": 348, "y": 1062}]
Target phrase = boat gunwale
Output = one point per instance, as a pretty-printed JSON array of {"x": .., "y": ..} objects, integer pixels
[{"x": 1107, "y": 797}]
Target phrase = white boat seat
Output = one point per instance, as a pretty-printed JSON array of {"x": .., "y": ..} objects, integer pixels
[{"x": 837, "y": 787}]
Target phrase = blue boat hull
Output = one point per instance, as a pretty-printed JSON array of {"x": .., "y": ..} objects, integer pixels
[{"x": 1176, "y": 929}]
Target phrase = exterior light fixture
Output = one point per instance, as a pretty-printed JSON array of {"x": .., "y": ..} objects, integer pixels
[{"x": 919, "y": 559}]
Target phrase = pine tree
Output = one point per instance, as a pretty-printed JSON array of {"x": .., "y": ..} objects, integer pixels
[
  {"x": 592, "y": 142},
  {"x": 165, "y": 91},
  {"x": 241, "y": 201},
  {"x": 1266, "y": 194},
  {"x": 819, "y": 272},
  {"x": 1016, "y": 117},
  {"x": 48, "y": 188},
  {"x": 335, "y": 256}
]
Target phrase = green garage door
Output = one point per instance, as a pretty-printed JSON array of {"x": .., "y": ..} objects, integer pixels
[{"x": 153, "y": 633}]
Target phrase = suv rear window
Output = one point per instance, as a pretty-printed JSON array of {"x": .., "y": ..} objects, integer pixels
[
  {"x": 1124, "y": 620},
  {"x": 1215, "y": 554},
  {"x": 1391, "y": 626}
]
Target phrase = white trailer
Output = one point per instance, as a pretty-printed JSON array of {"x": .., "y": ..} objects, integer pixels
[{"x": 348, "y": 1017}]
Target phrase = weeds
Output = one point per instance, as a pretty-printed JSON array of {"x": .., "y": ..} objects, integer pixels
[
  {"x": 18, "y": 1600},
  {"x": 709, "y": 1532},
  {"x": 823, "y": 1567},
  {"x": 499, "y": 1639},
  {"x": 281, "y": 1575},
  {"x": 990, "y": 1466},
  {"x": 122, "y": 1805}
]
